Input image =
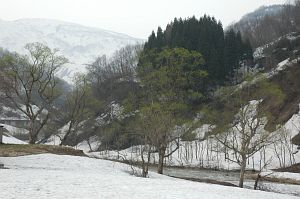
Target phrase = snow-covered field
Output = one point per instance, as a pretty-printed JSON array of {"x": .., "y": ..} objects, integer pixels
[{"x": 54, "y": 176}]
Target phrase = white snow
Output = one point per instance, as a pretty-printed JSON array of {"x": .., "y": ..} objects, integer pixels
[
  {"x": 56, "y": 138},
  {"x": 259, "y": 52},
  {"x": 285, "y": 175},
  {"x": 267, "y": 75},
  {"x": 94, "y": 143},
  {"x": 7, "y": 139},
  {"x": 52, "y": 176},
  {"x": 14, "y": 130}
]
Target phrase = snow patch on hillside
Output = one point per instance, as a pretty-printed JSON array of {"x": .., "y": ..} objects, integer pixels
[{"x": 7, "y": 139}]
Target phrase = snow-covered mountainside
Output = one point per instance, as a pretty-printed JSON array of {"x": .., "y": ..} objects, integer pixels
[{"x": 80, "y": 44}]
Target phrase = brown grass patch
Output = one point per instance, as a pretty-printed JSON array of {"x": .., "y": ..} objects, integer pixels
[{"x": 13, "y": 150}]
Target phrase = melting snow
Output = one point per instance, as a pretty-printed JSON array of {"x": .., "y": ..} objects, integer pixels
[{"x": 53, "y": 176}]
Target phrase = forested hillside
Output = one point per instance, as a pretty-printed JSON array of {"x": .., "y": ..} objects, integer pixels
[{"x": 222, "y": 51}]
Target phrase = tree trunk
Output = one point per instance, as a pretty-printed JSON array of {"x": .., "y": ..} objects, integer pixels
[
  {"x": 32, "y": 133},
  {"x": 161, "y": 155},
  {"x": 256, "y": 181},
  {"x": 32, "y": 138},
  {"x": 242, "y": 172},
  {"x": 144, "y": 169},
  {"x": 63, "y": 141}
]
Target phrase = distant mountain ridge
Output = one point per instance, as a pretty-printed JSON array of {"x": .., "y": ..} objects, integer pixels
[
  {"x": 268, "y": 23},
  {"x": 250, "y": 19},
  {"x": 263, "y": 11},
  {"x": 80, "y": 44}
]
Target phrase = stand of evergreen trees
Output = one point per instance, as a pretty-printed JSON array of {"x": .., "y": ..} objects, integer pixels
[{"x": 221, "y": 50}]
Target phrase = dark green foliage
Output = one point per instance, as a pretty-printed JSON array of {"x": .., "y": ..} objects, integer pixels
[
  {"x": 116, "y": 136},
  {"x": 173, "y": 76},
  {"x": 206, "y": 36},
  {"x": 235, "y": 51}
]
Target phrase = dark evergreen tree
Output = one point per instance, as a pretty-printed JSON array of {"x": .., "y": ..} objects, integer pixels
[{"x": 160, "y": 38}]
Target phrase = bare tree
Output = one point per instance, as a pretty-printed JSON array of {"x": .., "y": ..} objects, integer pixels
[
  {"x": 159, "y": 131},
  {"x": 122, "y": 64},
  {"x": 31, "y": 84},
  {"x": 245, "y": 137},
  {"x": 259, "y": 176},
  {"x": 80, "y": 105}
]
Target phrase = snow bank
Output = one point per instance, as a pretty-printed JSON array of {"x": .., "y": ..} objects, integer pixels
[
  {"x": 55, "y": 139},
  {"x": 14, "y": 130},
  {"x": 52, "y": 176},
  {"x": 92, "y": 144},
  {"x": 7, "y": 139},
  {"x": 285, "y": 175}
]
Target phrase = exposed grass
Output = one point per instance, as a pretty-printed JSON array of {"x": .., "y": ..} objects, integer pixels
[
  {"x": 207, "y": 181},
  {"x": 13, "y": 150}
]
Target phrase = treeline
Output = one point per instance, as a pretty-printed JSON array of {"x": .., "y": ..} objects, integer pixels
[
  {"x": 109, "y": 76},
  {"x": 222, "y": 51}
]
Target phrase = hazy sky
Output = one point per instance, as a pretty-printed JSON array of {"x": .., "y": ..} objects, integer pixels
[{"x": 133, "y": 17}]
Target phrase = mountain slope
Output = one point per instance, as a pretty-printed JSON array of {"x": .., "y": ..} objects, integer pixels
[
  {"x": 80, "y": 44},
  {"x": 268, "y": 23}
]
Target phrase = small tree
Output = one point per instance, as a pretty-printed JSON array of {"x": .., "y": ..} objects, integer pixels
[
  {"x": 159, "y": 130},
  {"x": 241, "y": 123},
  {"x": 31, "y": 84},
  {"x": 245, "y": 137},
  {"x": 155, "y": 128}
]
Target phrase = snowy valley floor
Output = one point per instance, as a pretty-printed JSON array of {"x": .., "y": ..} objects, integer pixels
[{"x": 58, "y": 176}]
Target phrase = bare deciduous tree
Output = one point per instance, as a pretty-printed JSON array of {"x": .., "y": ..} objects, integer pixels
[
  {"x": 159, "y": 132},
  {"x": 80, "y": 106},
  {"x": 31, "y": 84},
  {"x": 245, "y": 137}
]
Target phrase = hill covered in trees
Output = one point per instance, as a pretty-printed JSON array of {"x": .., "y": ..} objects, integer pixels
[{"x": 221, "y": 50}]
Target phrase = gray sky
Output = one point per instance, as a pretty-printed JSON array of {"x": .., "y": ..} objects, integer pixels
[{"x": 133, "y": 17}]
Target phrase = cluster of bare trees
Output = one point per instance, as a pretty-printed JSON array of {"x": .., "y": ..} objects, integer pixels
[
  {"x": 284, "y": 149},
  {"x": 122, "y": 64}
]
